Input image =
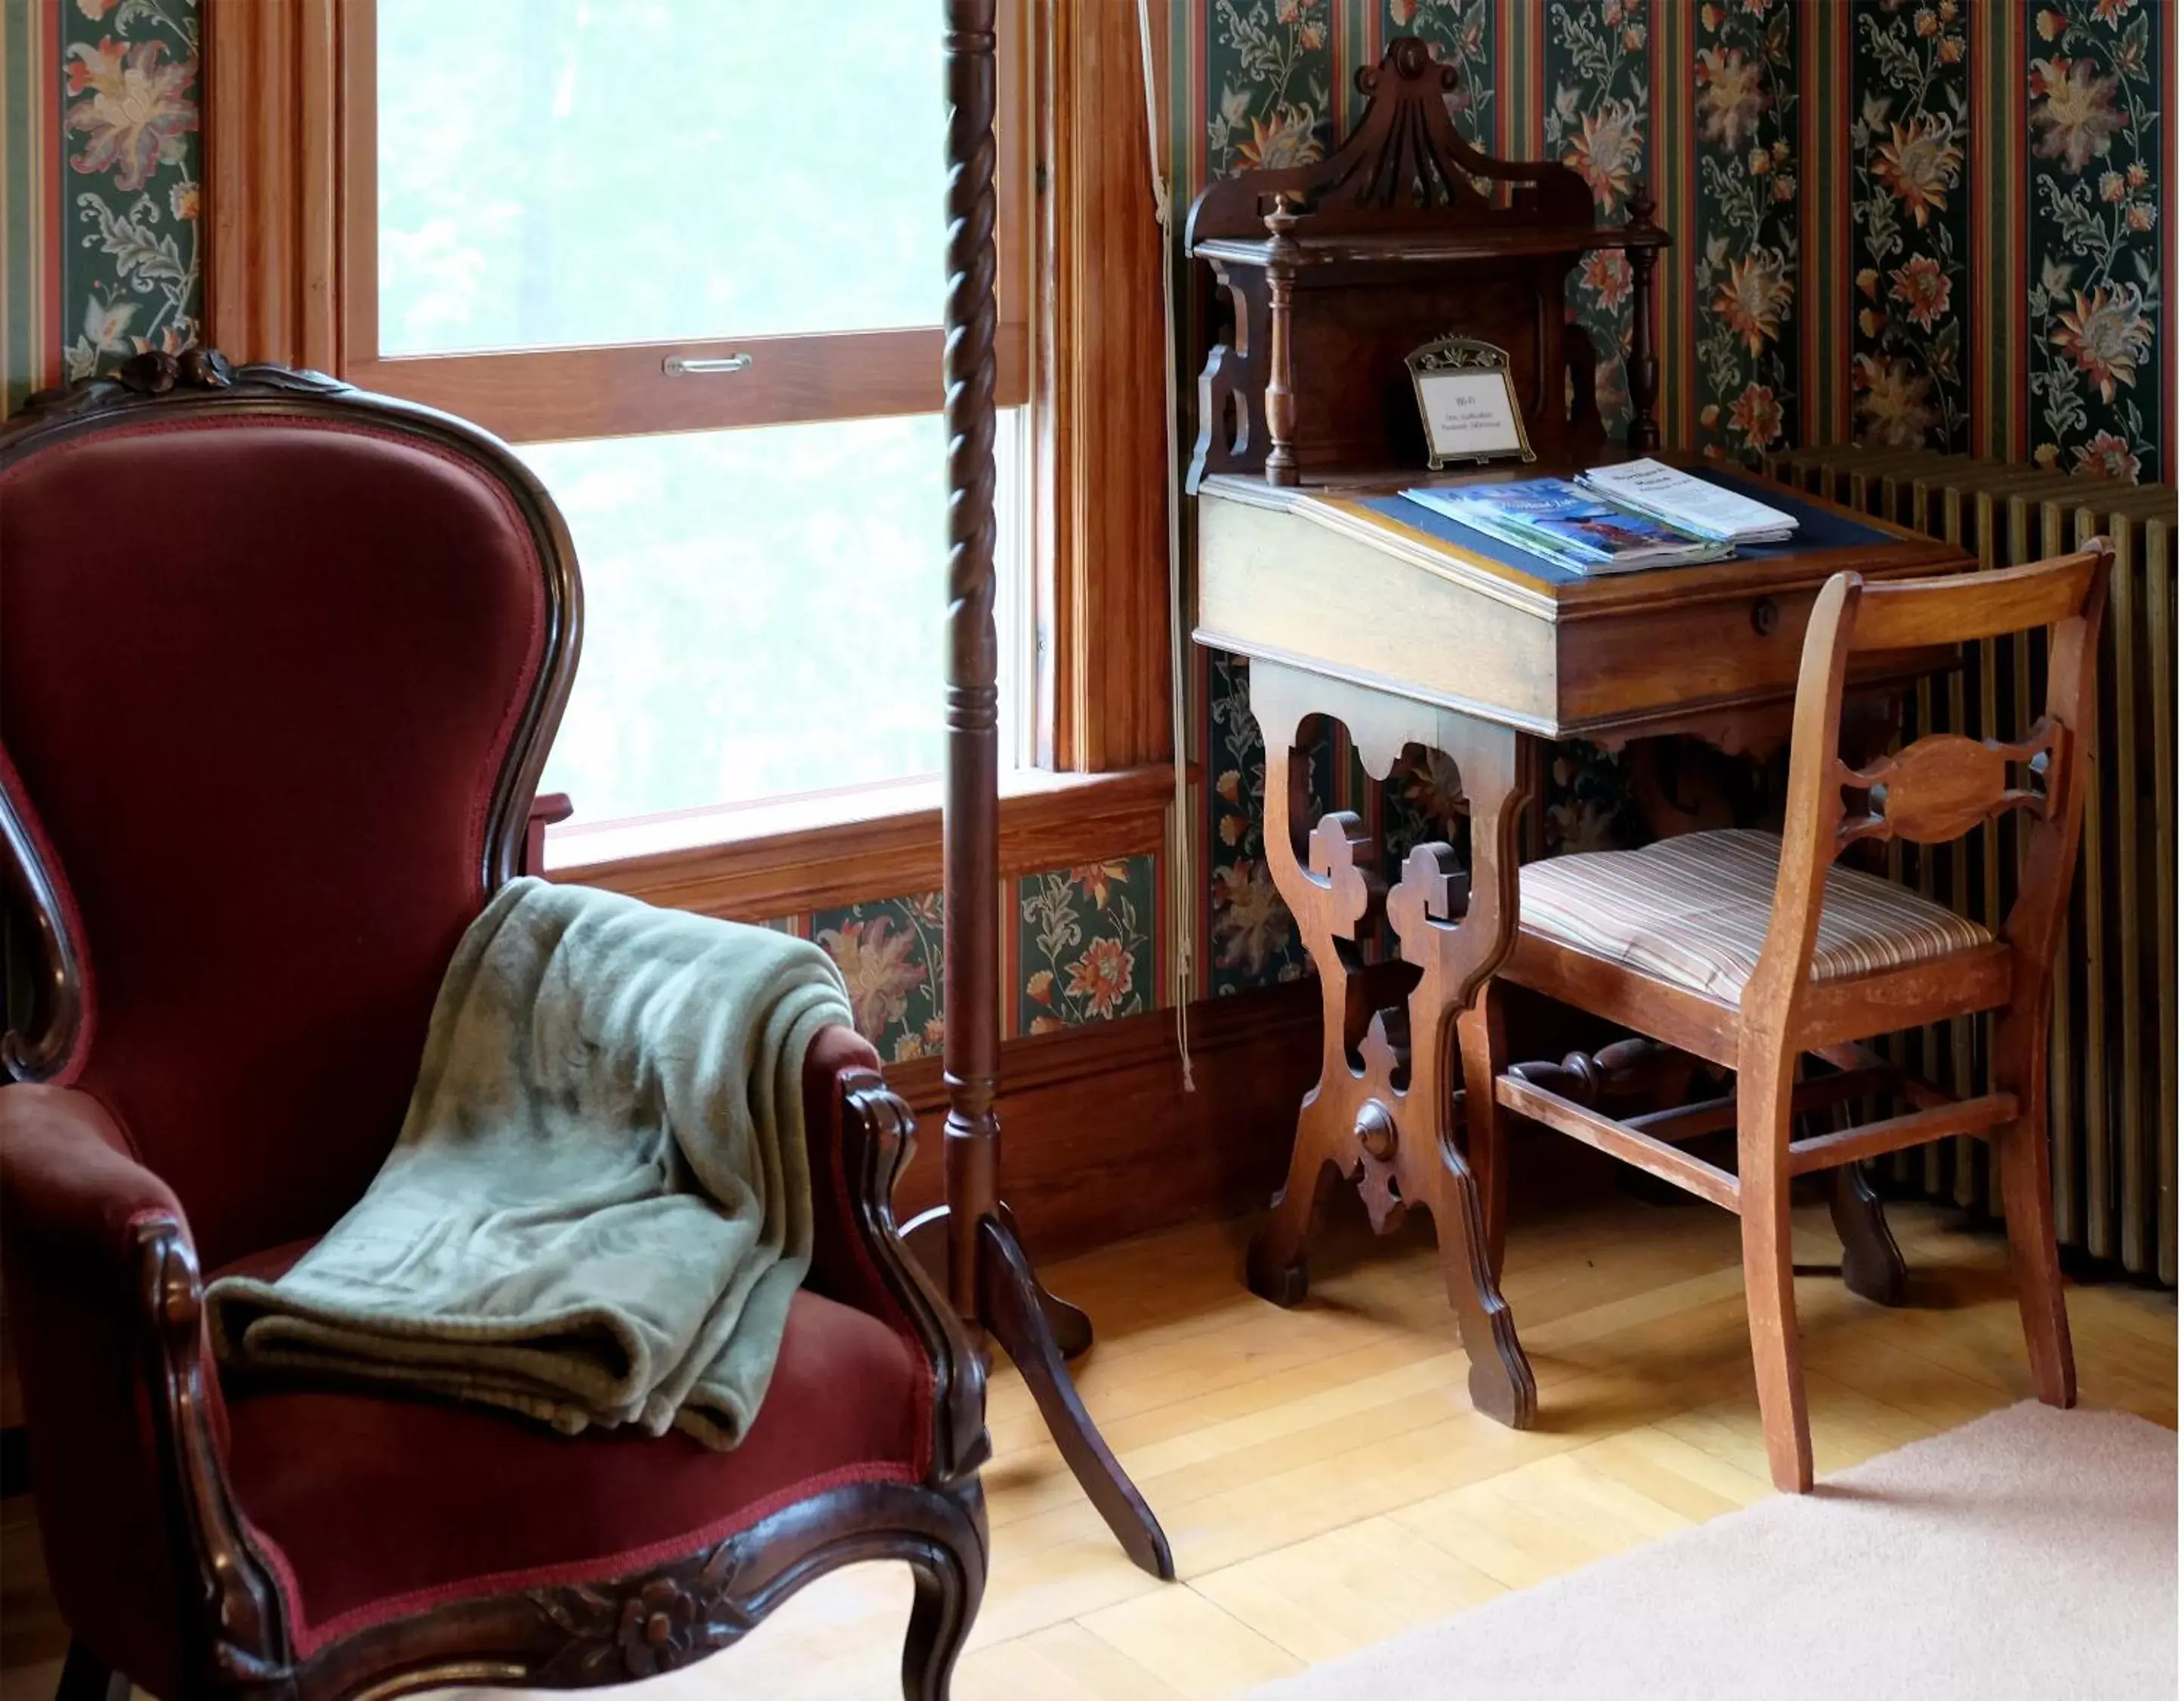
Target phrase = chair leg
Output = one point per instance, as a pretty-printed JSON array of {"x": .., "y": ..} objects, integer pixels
[
  {"x": 1763, "y": 1189},
  {"x": 86, "y": 1677},
  {"x": 949, "y": 1585},
  {"x": 2028, "y": 1204}
]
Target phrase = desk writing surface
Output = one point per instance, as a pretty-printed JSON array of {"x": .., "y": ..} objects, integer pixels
[{"x": 1351, "y": 582}]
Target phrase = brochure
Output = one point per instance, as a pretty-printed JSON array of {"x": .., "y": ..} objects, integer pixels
[
  {"x": 1563, "y": 522},
  {"x": 1690, "y": 504}
]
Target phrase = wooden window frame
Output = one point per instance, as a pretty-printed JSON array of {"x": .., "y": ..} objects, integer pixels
[
  {"x": 623, "y": 389},
  {"x": 288, "y": 104}
]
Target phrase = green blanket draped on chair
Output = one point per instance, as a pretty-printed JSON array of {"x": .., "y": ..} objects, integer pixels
[{"x": 599, "y": 1206}]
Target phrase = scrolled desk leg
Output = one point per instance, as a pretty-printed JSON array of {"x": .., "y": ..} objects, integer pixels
[
  {"x": 1457, "y": 943},
  {"x": 1276, "y": 1268},
  {"x": 1484, "y": 1050},
  {"x": 1327, "y": 901}
]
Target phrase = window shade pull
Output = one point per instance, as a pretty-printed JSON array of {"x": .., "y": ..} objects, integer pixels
[{"x": 696, "y": 365}]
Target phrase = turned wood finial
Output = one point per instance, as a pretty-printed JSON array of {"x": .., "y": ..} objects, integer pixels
[{"x": 1282, "y": 258}]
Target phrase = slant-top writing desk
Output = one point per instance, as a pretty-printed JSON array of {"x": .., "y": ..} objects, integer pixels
[{"x": 1409, "y": 629}]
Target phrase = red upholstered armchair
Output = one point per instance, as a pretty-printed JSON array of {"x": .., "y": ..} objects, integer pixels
[{"x": 279, "y": 664}]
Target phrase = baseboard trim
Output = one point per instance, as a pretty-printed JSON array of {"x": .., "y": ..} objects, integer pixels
[{"x": 1099, "y": 1140}]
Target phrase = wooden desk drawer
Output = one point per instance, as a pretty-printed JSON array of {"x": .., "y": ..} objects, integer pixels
[{"x": 1649, "y": 662}]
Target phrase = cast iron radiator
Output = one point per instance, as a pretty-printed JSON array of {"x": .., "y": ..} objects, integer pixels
[{"x": 2112, "y": 1093}]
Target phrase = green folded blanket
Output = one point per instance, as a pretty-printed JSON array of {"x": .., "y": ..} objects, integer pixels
[{"x": 598, "y": 1207}]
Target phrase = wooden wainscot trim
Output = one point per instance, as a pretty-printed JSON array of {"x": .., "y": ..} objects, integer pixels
[
  {"x": 1104, "y": 1143},
  {"x": 788, "y": 858}
]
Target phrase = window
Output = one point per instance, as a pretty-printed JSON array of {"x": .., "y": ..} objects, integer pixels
[{"x": 687, "y": 256}]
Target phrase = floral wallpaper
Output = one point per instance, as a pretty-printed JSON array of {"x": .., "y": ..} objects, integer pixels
[
  {"x": 131, "y": 275},
  {"x": 1085, "y": 944},
  {"x": 889, "y": 951},
  {"x": 1744, "y": 269},
  {"x": 1596, "y": 124},
  {"x": 2095, "y": 355},
  {"x": 1910, "y": 214},
  {"x": 117, "y": 150},
  {"x": 1458, "y": 33},
  {"x": 1249, "y": 937},
  {"x": 1270, "y": 62}
]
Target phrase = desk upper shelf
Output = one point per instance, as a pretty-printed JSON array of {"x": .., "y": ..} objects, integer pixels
[
  {"x": 1347, "y": 581},
  {"x": 1327, "y": 275}
]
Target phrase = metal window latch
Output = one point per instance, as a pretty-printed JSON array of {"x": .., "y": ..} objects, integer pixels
[{"x": 697, "y": 366}]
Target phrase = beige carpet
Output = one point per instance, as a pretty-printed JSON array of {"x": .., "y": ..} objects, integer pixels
[{"x": 2032, "y": 1553}]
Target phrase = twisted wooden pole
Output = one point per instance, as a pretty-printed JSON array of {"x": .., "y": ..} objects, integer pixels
[
  {"x": 970, "y": 810},
  {"x": 990, "y": 1281}
]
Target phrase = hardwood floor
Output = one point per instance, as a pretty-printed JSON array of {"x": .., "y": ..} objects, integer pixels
[{"x": 1320, "y": 1473}]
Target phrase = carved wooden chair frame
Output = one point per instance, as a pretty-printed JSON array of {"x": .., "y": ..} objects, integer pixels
[
  {"x": 1932, "y": 791},
  {"x": 605, "y": 1630}
]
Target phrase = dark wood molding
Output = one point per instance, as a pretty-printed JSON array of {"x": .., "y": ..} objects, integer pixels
[
  {"x": 1104, "y": 1144},
  {"x": 619, "y": 1630},
  {"x": 273, "y": 87},
  {"x": 1103, "y": 441}
]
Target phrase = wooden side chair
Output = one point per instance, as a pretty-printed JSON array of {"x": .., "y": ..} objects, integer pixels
[{"x": 1758, "y": 953}]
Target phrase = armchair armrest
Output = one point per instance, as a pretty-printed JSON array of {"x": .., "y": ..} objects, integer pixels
[
  {"x": 545, "y": 811},
  {"x": 128, "y": 1433},
  {"x": 859, "y": 1134}
]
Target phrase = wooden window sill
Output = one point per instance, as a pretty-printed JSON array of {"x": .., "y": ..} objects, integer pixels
[{"x": 767, "y": 861}]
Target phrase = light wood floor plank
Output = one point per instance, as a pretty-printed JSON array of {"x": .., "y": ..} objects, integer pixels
[
  {"x": 1347, "y": 1589},
  {"x": 1199, "y": 1650}
]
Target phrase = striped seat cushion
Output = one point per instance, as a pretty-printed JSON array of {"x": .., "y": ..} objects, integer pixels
[{"x": 1693, "y": 911}]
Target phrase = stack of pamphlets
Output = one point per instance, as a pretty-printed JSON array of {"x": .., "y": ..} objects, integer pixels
[
  {"x": 1690, "y": 504},
  {"x": 1568, "y": 525}
]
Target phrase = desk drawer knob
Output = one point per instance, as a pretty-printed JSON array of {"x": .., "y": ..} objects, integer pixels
[{"x": 1765, "y": 617}]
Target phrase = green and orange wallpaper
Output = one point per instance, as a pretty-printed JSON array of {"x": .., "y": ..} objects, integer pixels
[
  {"x": 1909, "y": 222},
  {"x": 1934, "y": 223}
]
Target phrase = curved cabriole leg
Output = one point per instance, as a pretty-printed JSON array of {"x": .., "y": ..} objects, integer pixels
[
  {"x": 1009, "y": 1299},
  {"x": 949, "y": 1584}
]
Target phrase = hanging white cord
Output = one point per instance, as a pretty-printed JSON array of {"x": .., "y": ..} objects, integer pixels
[{"x": 1182, "y": 867}]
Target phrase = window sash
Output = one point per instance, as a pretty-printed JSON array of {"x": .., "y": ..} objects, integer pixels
[{"x": 626, "y": 390}]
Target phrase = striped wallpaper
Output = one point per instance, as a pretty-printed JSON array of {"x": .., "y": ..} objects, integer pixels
[{"x": 1932, "y": 221}]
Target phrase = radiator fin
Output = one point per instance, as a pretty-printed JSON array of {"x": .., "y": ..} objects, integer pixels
[{"x": 2112, "y": 1088}]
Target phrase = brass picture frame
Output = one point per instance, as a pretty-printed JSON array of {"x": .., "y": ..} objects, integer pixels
[{"x": 1469, "y": 359}]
